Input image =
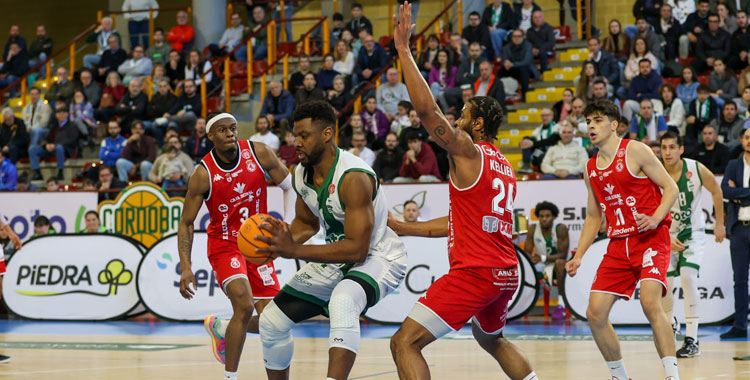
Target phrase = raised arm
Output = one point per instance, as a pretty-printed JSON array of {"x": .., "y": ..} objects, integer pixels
[
  {"x": 589, "y": 231},
  {"x": 655, "y": 171},
  {"x": 279, "y": 175},
  {"x": 456, "y": 143},
  {"x": 197, "y": 186},
  {"x": 709, "y": 182},
  {"x": 431, "y": 228}
]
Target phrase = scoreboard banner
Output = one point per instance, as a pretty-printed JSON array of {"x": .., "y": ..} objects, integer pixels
[{"x": 73, "y": 277}]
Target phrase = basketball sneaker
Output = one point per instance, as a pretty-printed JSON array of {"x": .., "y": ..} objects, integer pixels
[
  {"x": 690, "y": 348},
  {"x": 211, "y": 323},
  {"x": 4, "y": 359},
  {"x": 675, "y": 326}
]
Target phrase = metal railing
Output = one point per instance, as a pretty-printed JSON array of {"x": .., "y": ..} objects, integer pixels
[{"x": 189, "y": 10}]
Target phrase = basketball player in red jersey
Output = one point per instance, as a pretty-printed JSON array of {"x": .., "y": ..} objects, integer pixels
[
  {"x": 483, "y": 265},
  {"x": 232, "y": 181},
  {"x": 625, "y": 181}
]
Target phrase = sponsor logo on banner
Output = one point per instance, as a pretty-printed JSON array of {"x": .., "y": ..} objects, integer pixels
[
  {"x": 73, "y": 276},
  {"x": 143, "y": 212},
  {"x": 65, "y": 210}
]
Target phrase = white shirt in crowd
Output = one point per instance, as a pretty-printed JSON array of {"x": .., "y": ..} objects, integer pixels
[
  {"x": 366, "y": 154},
  {"x": 271, "y": 140},
  {"x": 132, "y": 5},
  {"x": 571, "y": 157},
  {"x": 345, "y": 67}
]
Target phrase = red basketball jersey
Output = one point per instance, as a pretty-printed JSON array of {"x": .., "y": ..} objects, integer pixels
[
  {"x": 234, "y": 194},
  {"x": 481, "y": 215},
  {"x": 622, "y": 195}
]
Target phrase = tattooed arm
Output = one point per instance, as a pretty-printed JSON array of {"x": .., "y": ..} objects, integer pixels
[{"x": 197, "y": 186}]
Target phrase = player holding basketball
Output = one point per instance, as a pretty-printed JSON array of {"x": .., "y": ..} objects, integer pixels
[
  {"x": 483, "y": 272},
  {"x": 624, "y": 180},
  {"x": 232, "y": 181},
  {"x": 6, "y": 233},
  {"x": 688, "y": 233},
  {"x": 361, "y": 263}
]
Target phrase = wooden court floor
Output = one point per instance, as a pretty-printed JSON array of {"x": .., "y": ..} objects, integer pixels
[{"x": 448, "y": 359}]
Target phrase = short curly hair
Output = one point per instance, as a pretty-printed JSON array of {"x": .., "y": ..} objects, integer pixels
[
  {"x": 490, "y": 110},
  {"x": 318, "y": 111},
  {"x": 549, "y": 206}
]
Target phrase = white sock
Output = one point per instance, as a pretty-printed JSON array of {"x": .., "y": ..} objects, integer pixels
[
  {"x": 223, "y": 324},
  {"x": 230, "y": 375},
  {"x": 691, "y": 328},
  {"x": 670, "y": 367},
  {"x": 531, "y": 376},
  {"x": 560, "y": 301},
  {"x": 617, "y": 370}
]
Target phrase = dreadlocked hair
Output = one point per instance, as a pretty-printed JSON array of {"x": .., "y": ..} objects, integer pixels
[{"x": 490, "y": 110}]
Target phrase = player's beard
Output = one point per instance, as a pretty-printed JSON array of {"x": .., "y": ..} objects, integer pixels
[{"x": 314, "y": 157}]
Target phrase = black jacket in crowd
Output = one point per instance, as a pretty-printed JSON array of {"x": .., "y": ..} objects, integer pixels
[
  {"x": 716, "y": 46},
  {"x": 160, "y": 104},
  {"x": 507, "y": 18},
  {"x": 388, "y": 163},
  {"x": 542, "y": 39},
  {"x": 14, "y": 134},
  {"x": 186, "y": 104}
]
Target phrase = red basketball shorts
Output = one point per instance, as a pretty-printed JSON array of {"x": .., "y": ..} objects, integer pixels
[
  {"x": 632, "y": 259},
  {"x": 481, "y": 293},
  {"x": 229, "y": 263},
  {"x": 2, "y": 267}
]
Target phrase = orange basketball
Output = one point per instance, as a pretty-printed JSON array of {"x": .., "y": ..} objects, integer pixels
[{"x": 247, "y": 243}]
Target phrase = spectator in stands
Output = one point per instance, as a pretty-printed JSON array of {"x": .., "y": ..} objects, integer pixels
[
  {"x": 111, "y": 96},
  {"x": 14, "y": 36},
  {"x": 411, "y": 212},
  {"x": 343, "y": 59},
  {"x": 740, "y": 46},
  {"x": 354, "y": 44},
  {"x": 375, "y": 121},
  {"x": 90, "y": 88},
  {"x": 518, "y": 60},
  {"x": 8, "y": 174},
  {"x": 309, "y": 91},
  {"x": 112, "y": 146},
  {"x": 682, "y": 9},
  {"x": 477, "y": 32},
  {"x": 132, "y": 106},
  {"x": 743, "y": 103},
  {"x": 672, "y": 108},
  {"x": 566, "y": 159},
  {"x": 62, "y": 88},
  {"x": 541, "y": 36},
  {"x": 175, "y": 69},
  {"x": 93, "y": 225},
  {"x": 523, "y": 13},
  {"x": 585, "y": 82},
  {"x": 576, "y": 119},
  {"x": 278, "y": 105},
  {"x": 388, "y": 161},
  {"x": 416, "y": 126},
  {"x": 138, "y": 21},
  {"x": 337, "y": 26},
  {"x": 36, "y": 115},
  {"x": 82, "y": 114},
  {"x": 185, "y": 111},
  {"x": 354, "y": 124},
  {"x": 161, "y": 102},
  {"x": 644, "y": 86},
  {"x": 137, "y": 67},
  {"x": 701, "y": 111},
  {"x": 359, "y": 21},
  {"x": 24, "y": 183},
  {"x": 687, "y": 89},
  {"x": 42, "y": 226},
  {"x": 468, "y": 70},
  {"x": 325, "y": 75},
  {"x": 617, "y": 43},
  {"x": 458, "y": 49},
  {"x": 195, "y": 67},
  {"x": 501, "y": 20},
  {"x": 53, "y": 186},
  {"x": 107, "y": 181},
  {"x": 711, "y": 153},
  {"x": 111, "y": 59},
  {"x": 390, "y": 94},
  {"x": 713, "y": 44},
  {"x": 287, "y": 151},
  {"x": 181, "y": 35},
  {"x": 640, "y": 51},
  {"x": 40, "y": 49},
  {"x": 647, "y": 126},
  {"x": 198, "y": 145},
  {"x": 297, "y": 79},
  {"x": 428, "y": 55},
  {"x": 599, "y": 92},
  {"x": 101, "y": 36},
  {"x": 544, "y": 136},
  {"x": 722, "y": 83},
  {"x": 669, "y": 29},
  {"x": 62, "y": 139},
  {"x": 158, "y": 53},
  {"x": 370, "y": 61},
  {"x": 648, "y": 9},
  {"x": 728, "y": 126},
  {"x": 564, "y": 106},
  {"x": 695, "y": 24},
  {"x": 419, "y": 163},
  {"x": 14, "y": 137},
  {"x": 264, "y": 134},
  {"x": 359, "y": 148},
  {"x": 139, "y": 153},
  {"x": 338, "y": 97},
  {"x": 231, "y": 37},
  {"x": 151, "y": 84},
  {"x": 653, "y": 42},
  {"x": 172, "y": 170},
  {"x": 727, "y": 21},
  {"x": 488, "y": 84}
]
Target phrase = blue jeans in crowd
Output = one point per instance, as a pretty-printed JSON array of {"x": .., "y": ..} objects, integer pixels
[
  {"x": 124, "y": 165},
  {"x": 138, "y": 31},
  {"x": 5, "y": 82},
  {"x": 35, "y": 61},
  {"x": 260, "y": 52},
  {"x": 157, "y": 130},
  {"x": 288, "y": 11},
  {"x": 37, "y": 152},
  {"x": 167, "y": 184},
  {"x": 739, "y": 247},
  {"x": 91, "y": 60},
  {"x": 497, "y": 36},
  {"x": 37, "y": 134}
]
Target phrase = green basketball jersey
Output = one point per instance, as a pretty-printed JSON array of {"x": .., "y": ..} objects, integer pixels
[{"x": 686, "y": 211}]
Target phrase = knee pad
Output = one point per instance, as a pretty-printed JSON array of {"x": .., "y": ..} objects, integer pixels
[
  {"x": 348, "y": 300},
  {"x": 275, "y": 330}
]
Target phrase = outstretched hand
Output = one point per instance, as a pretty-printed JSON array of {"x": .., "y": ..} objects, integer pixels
[
  {"x": 404, "y": 27},
  {"x": 280, "y": 242}
]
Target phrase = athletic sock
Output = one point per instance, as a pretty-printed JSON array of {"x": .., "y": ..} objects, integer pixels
[
  {"x": 691, "y": 328},
  {"x": 560, "y": 301},
  {"x": 670, "y": 367},
  {"x": 617, "y": 370},
  {"x": 223, "y": 324},
  {"x": 230, "y": 375},
  {"x": 531, "y": 376}
]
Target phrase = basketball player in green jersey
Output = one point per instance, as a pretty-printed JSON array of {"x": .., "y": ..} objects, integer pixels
[{"x": 688, "y": 234}]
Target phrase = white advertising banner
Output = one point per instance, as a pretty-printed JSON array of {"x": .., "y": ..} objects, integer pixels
[
  {"x": 715, "y": 287},
  {"x": 65, "y": 210},
  {"x": 159, "y": 281},
  {"x": 73, "y": 277}
]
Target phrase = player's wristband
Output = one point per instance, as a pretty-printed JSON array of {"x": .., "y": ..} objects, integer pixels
[{"x": 286, "y": 184}]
